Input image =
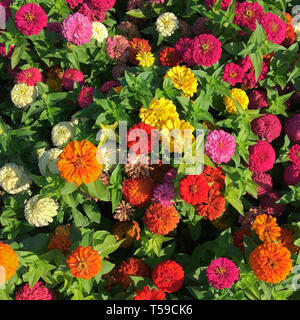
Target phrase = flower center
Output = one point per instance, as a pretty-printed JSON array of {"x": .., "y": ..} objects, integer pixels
[
  {"x": 82, "y": 265},
  {"x": 29, "y": 16},
  {"x": 249, "y": 13},
  {"x": 220, "y": 270},
  {"x": 232, "y": 74},
  {"x": 78, "y": 163},
  {"x": 205, "y": 46},
  {"x": 194, "y": 188},
  {"x": 298, "y": 154},
  {"x": 221, "y": 145},
  {"x": 274, "y": 27},
  {"x": 29, "y": 74},
  {"x": 271, "y": 264}
]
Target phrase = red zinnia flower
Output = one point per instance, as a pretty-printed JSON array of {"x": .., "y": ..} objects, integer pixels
[
  {"x": 193, "y": 189},
  {"x": 214, "y": 176},
  {"x": 30, "y": 76},
  {"x": 168, "y": 276},
  {"x": 147, "y": 294},
  {"x": 169, "y": 57}
]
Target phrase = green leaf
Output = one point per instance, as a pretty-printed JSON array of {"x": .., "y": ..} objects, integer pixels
[
  {"x": 16, "y": 56},
  {"x": 79, "y": 219},
  {"x": 68, "y": 188},
  {"x": 92, "y": 212}
]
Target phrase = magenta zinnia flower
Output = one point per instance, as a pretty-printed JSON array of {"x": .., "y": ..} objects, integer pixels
[
  {"x": 266, "y": 127},
  {"x": 220, "y": 146},
  {"x": 103, "y": 5},
  {"x": 85, "y": 97},
  {"x": 294, "y": 155},
  {"x": 269, "y": 205},
  {"x": 275, "y": 28},
  {"x": 117, "y": 48},
  {"x": 77, "y": 28},
  {"x": 38, "y": 292},
  {"x": 93, "y": 13},
  {"x": 73, "y": 3},
  {"x": 261, "y": 157},
  {"x": 258, "y": 99},
  {"x": 264, "y": 182},
  {"x": 108, "y": 85},
  {"x": 163, "y": 194},
  {"x": 233, "y": 73},
  {"x": 222, "y": 273},
  {"x": 246, "y": 13},
  {"x": 157, "y": 1},
  {"x": 30, "y": 76},
  {"x": 69, "y": 77},
  {"x": 224, "y": 4},
  {"x": 291, "y": 174},
  {"x": 183, "y": 48},
  {"x": 30, "y": 19},
  {"x": 292, "y": 128}
]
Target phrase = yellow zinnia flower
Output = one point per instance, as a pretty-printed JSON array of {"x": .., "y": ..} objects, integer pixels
[
  {"x": 145, "y": 59},
  {"x": 240, "y": 96},
  {"x": 183, "y": 79}
]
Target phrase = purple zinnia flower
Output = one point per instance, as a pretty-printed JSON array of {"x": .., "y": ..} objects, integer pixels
[
  {"x": 163, "y": 194},
  {"x": 170, "y": 176}
]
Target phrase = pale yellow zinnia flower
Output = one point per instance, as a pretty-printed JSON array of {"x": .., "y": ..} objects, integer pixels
[
  {"x": 166, "y": 24},
  {"x": 99, "y": 31},
  {"x": 22, "y": 95}
]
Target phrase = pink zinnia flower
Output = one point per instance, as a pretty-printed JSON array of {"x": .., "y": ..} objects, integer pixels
[
  {"x": 70, "y": 76},
  {"x": 220, "y": 146},
  {"x": 73, "y": 3},
  {"x": 38, "y": 292},
  {"x": 275, "y": 28},
  {"x": 117, "y": 48},
  {"x": 85, "y": 97},
  {"x": 109, "y": 84},
  {"x": 93, "y": 13},
  {"x": 246, "y": 13},
  {"x": 222, "y": 273},
  {"x": 294, "y": 155},
  {"x": 266, "y": 127},
  {"x": 183, "y": 48},
  {"x": 261, "y": 157},
  {"x": 103, "y": 5},
  {"x": 258, "y": 99},
  {"x": 206, "y": 50},
  {"x": 30, "y": 19},
  {"x": 157, "y": 1},
  {"x": 77, "y": 28},
  {"x": 163, "y": 194},
  {"x": 292, "y": 128},
  {"x": 30, "y": 76},
  {"x": 269, "y": 205},
  {"x": 233, "y": 73},
  {"x": 264, "y": 182},
  {"x": 224, "y": 4},
  {"x": 291, "y": 174}
]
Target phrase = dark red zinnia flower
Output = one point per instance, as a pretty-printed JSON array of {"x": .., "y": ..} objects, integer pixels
[
  {"x": 169, "y": 57},
  {"x": 238, "y": 239}
]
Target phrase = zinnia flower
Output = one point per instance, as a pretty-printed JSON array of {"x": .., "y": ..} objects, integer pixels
[
  {"x": 62, "y": 133},
  {"x": 233, "y": 73},
  {"x": 147, "y": 294},
  {"x": 261, "y": 157},
  {"x": 92, "y": 12},
  {"x": 160, "y": 219},
  {"x": 207, "y": 50},
  {"x": 8, "y": 262},
  {"x": 103, "y": 5},
  {"x": 275, "y": 28},
  {"x": 109, "y": 85},
  {"x": 40, "y": 212},
  {"x": 266, "y": 227},
  {"x": 168, "y": 276},
  {"x": 271, "y": 262},
  {"x": 84, "y": 262},
  {"x": 145, "y": 59},
  {"x": 269, "y": 205},
  {"x": 222, "y": 273},
  {"x": 183, "y": 79},
  {"x": 132, "y": 267},
  {"x": 246, "y": 14},
  {"x": 77, "y": 28},
  {"x": 30, "y": 19},
  {"x": 13, "y": 178},
  {"x": 238, "y": 239},
  {"x": 166, "y": 24},
  {"x": 184, "y": 49},
  {"x": 193, "y": 189},
  {"x": 49, "y": 160},
  {"x": 117, "y": 48},
  {"x": 258, "y": 99},
  {"x": 224, "y": 4},
  {"x": 168, "y": 57},
  {"x": 238, "y": 95},
  {"x": 137, "y": 45},
  {"x": 291, "y": 174},
  {"x": 37, "y": 292},
  {"x": 70, "y": 76},
  {"x": 290, "y": 35},
  {"x": 292, "y": 128},
  {"x": 264, "y": 182},
  {"x": 267, "y": 127},
  {"x": 214, "y": 177},
  {"x": 127, "y": 230},
  {"x": 220, "y": 146},
  {"x": 22, "y": 95},
  {"x": 294, "y": 155},
  {"x": 287, "y": 240},
  {"x": 85, "y": 97},
  {"x": 138, "y": 192},
  {"x": 30, "y": 76},
  {"x": 61, "y": 239},
  {"x": 73, "y": 3},
  {"x": 164, "y": 193},
  {"x": 100, "y": 32}
]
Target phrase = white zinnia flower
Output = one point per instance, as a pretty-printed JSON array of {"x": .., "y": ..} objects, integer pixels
[
  {"x": 297, "y": 30},
  {"x": 99, "y": 31},
  {"x": 107, "y": 155},
  {"x": 40, "y": 212},
  {"x": 49, "y": 160},
  {"x": 166, "y": 24},
  {"x": 22, "y": 95},
  {"x": 62, "y": 133},
  {"x": 13, "y": 178}
]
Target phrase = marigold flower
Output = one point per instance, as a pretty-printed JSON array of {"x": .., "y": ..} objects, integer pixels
[
  {"x": 193, "y": 189},
  {"x": 287, "y": 240},
  {"x": 271, "y": 262},
  {"x": 78, "y": 163},
  {"x": 137, "y": 45},
  {"x": 183, "y": 79},
  {"x": 37, "y": 292},
  {"x": 168, "y": 57},
  {"x": 222, "y": 273},
  {"x": 138, "y": 192},
  {"x": 61, "y": 239},
  {"x": 147, "y": 294},
  {"x": 132, "y": 267},
  {"x": 22, "y": 95},
  {"x": 8, "y": 262},
  {"x": 240, "y": 96},
  {"x": 266, "y": 227},
  {"x": 84, "y": 262},
  {"x": 166, "y": 24},
  {"x": 168, "y": 276},
  {"x": 145, "y": 59},
  {"x": 160, "y": 219},
  {"x": 128, "y": 230}
]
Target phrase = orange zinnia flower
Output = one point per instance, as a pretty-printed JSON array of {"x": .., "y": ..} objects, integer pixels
[
  {"x": 128, "y": 230},
  {"x": 271, "y": 262},
  {"x": 61, "y": 239},
  {"x": 287, "y": 240},
  {"x": 84, "y": 262},
  {"x": 78, "y": 163},
  {"x": 8, "y": 262},
  {"x": 266, "y": 227}
]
